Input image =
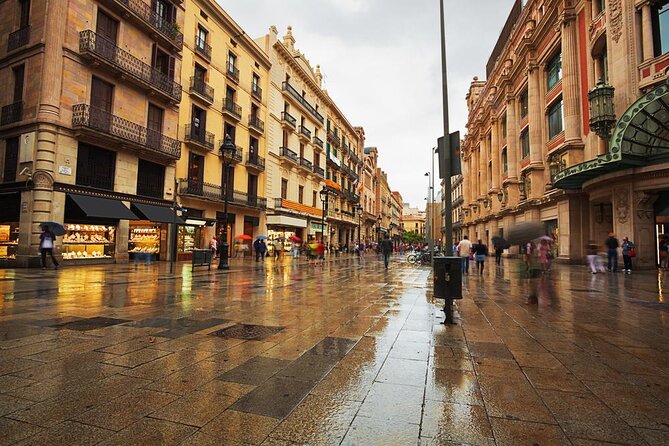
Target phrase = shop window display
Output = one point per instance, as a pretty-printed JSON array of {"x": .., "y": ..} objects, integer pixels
[
  {"x": 144, "y": 239},
  {"x": 187, "y": 238},
  {"x": 9, "y": 240},
  {"x": 88, "y": 241}
]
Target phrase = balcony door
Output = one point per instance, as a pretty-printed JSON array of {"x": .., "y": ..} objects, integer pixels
[
  {"x": 154, "y": 124},
  {"x": 253, "y": 149},
  {"x": 163, "y": 65},
  {"x": 228, "y": 182},
  {"x": 106, "y": 29},
  {"x": 102, "y": 94},
  {"x": 198, "y": 123},
  {"x": 252, "y": 188},
  {"x": 164, "y": 12},
  {"x": 195, "y": 174}
]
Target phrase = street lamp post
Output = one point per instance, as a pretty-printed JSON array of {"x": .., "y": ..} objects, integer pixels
[
  {"x": 358, "y": 208},
  {"x": 378, "y": 230},
  {"x": 227, "y": 151},
  {"x": 324, "y": 200}
]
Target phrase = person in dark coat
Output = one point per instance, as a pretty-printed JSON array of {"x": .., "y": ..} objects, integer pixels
[
  {"x": 47, "y": 241},
  {"x": 480, "y": 253},
  {"x": 612, "y": 252},
  {"x": 386, "y": 249}
]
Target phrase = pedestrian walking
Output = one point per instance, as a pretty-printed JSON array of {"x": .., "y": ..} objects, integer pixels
[
  {"x": 498, "y": 253},
  {"x": 612, "y": 245},
  {"x": 386, "y": 249},
  {"x": 47, "y": 240},
  {"x": 480, "y": 253},
  {"x": 664, "y": 251},
  {"x": 591, "y": 254},
  {"x": 628, "y": 253},
  {"x": 213, "y": 245},
  {"x": 464, "y": 250},
  {"x": 543, "y": 252}
]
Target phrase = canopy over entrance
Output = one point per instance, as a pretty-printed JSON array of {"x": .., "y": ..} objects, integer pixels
[{"x": 640, "y": 137}]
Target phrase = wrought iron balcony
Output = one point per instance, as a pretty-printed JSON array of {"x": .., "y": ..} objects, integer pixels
[
  {"x": 232, "y": 108},
  {"x": 256, "y": 91},
  {"x": 319, "y": 171},
  {"x": 202, "y": 89},
  {"x": 287, "y": 119},
  {"x": 144, "y": 15},
  {"x": 305, "y": 132},
  {"x": 11, "y": 113},
  {"x": 199, "y": 137},
  {"x": 255, "y": 123},
  {"x": 292, "y": 92},
  {"x": 202, "y": 48},
  {"x": 215, "y": 192},
  {"x": 318, "y": 142},
  {"x": 334, "y": 139},
  {"x": 253, "y": 160},
  {"x": 104, "y": 124},
  {"x": 285, "y": 152},
  {"x": 306, "y": 164},
  {"x": 232, "y": 72},
  {"x": 18, "y": 38},
  {"x": 94, "y": 46}
]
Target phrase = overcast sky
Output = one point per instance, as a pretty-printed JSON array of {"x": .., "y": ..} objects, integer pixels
[{"x": 381, "y": 65}]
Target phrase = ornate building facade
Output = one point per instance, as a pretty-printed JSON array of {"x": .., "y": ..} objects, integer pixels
[{"x": 530, "y": 152}]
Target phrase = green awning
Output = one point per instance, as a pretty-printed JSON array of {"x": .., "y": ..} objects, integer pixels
[{"x": 641, "y": 137}]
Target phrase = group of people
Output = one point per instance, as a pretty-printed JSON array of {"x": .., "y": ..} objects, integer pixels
[
  {"x": 596, "y": 254},
  {"x": 469, "y": 251}
]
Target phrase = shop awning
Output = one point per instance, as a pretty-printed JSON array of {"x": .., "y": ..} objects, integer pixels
[
  {"x": 160, "y": 214},
  {"x": 641, "y": 137},
  {"x": 284, "y": 221},
  {"x": 96, "y": 207}
]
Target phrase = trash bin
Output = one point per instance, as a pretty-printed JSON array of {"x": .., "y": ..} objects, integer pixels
[
  {"x": 447, "y": 275},
  {"x": 201, "y": 257}
]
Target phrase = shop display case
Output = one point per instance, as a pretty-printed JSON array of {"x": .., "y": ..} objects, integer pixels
[
  {"x": 9, "y": 240},
  {"x": 144, "y": 240},
  {"x": 83, "y": 241},
  {"x": 186, "y": 238}
]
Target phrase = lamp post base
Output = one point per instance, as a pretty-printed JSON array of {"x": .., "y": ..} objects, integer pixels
[{"x": 223, "y": 257}]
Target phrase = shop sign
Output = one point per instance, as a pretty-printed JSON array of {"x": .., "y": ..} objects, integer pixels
[
  {"x": 316, "y": 227},
  {"x": 335, "y": 160}
]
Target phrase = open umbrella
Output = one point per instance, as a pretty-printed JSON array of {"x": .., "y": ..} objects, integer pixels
[
  {"x": 262, "y": 237},
  {"x": 525, "y": 232},
  {"x": 500, "y": 242},
  {"x": 56, "y": 228},
  {"x": 295, "y": 239},
  {"x": 549, "y": 239},
  {"x": 244, "y": 237}
]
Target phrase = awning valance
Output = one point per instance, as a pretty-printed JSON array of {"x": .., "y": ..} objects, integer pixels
[
  {"x": 96, "y": 207},
  {"x": 641, "y": 137},
  {"x": 158, "y": 214}
]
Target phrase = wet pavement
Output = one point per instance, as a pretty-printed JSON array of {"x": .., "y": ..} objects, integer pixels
[{"x": 346, "y": 354}]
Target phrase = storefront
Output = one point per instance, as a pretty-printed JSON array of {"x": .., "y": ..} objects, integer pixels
[
  {"x": 285, "y": 226},
  {"x": 148, "y": 236},
  {"x": 9, "y": 226},
  {"x": 315, "y": 231},
  {"x": 91, "y": 228},
  {"x": 190, "y": 234}
]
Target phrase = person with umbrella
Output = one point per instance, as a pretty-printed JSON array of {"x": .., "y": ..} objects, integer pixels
[
  {"x": 524, "y": 233},
  {"x": 47, "y": 240},
  {"x": 500, "y": 245}
]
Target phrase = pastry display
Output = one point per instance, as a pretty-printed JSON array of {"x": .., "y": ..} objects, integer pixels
[
  {"x": 144, "y": 240},
  {"x": 84, "y": 241}
]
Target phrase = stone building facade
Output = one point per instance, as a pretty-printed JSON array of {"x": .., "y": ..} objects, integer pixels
[
  {"x": 88, "y": 127},
  {"x": 225, "y": 75},
  {"x": 369, "y": 180},
  {"x": 530, "y": 153}
]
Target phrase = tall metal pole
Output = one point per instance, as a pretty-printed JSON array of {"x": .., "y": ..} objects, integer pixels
[
  {"x": 224, "y": 247},
  {"x": 448, "y": 240}
]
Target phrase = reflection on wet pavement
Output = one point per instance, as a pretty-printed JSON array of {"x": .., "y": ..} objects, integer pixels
[{"x": 346, "y": 354}]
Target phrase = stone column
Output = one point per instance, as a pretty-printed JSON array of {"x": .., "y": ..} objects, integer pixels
[
  {"x": 536, "y": 113},
  {"x": 483, "y": 156},
  {"x": 570, "y": 76},
  {"x": 495, "y": 149},
  {"x": 511, "y": 138},
  {"x": 647, "y": 31}
]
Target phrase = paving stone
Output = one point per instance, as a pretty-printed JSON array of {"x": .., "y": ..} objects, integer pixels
[
  {"x": 150, "y": 432},
  {"x": 69, "y": 433},
  {"x": 14, "y": 431},
  {"x": 234, "y": 428},
  {"x": 194, "y": 409},
  {"x": 255, "y": 371},
  {"x": 276, "y": 397}
]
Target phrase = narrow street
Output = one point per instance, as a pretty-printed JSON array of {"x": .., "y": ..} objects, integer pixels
[{"x": 345, "y": 354}]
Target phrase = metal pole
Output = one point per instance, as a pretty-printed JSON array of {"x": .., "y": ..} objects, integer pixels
[
  {"x": 223, "y": 253},
  {"x": 448, "y": 240},
  {"x": 173, "y": 235}
]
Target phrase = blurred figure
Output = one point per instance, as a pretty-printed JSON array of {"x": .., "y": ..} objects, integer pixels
[
  {"x": 612, "y": 245},
  {"x": 213, "y": 245},
  {"x": 591, "y": 255},
  {"x": 628, "y": 253},
  {"x": 498, "y": 253},
  {"x": 464, "y": 250},
  {"x": 664, "y": 252},
  {"x": 47, "y": 241},
  {"x": 320, "y": 253},
  {"x": 543, "y": 252},
  {"x": 480, "y": 253},
  {"x": 386, "y": 249}
]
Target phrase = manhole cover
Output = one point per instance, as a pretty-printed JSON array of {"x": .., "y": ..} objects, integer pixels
[
  {"x": 246, "y": 331},
  {"x": 91, "y": 323}
]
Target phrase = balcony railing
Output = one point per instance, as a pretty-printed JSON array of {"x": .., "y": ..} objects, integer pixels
[
  {"x": 256, "y": 91},
  {"x": 318, "y": 142},
  {"x": 103, "y": 122},
  {"x": 18, "y": 38},
  {"x": 232, "y": 72},
  {"x": 256, "y": 123},
  {"x": 306, "y": 164},
  {"x": 142, "y": 11},
  {"x": 217, "y": 193},
  {"x": 201, "y": 88},
  {"x": 202, "y": 48},
  {"x": 92, "y": 44},
  {"x": 199, "y": 136},
  {"x": 11, "y": 113},
  {"x": 334, "y": 139},
  {"x": 319, "y": 171},
  {"x": 305, "y": 131},
  {"x": 287, "y": 153},
  {"x": 230, "y": 106},
  {"x": 298, "y": 97},
  {"x": 287, "y": 117},
  {"x": 255, "y": 161},
  {"x": 238, "y": 156}
]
